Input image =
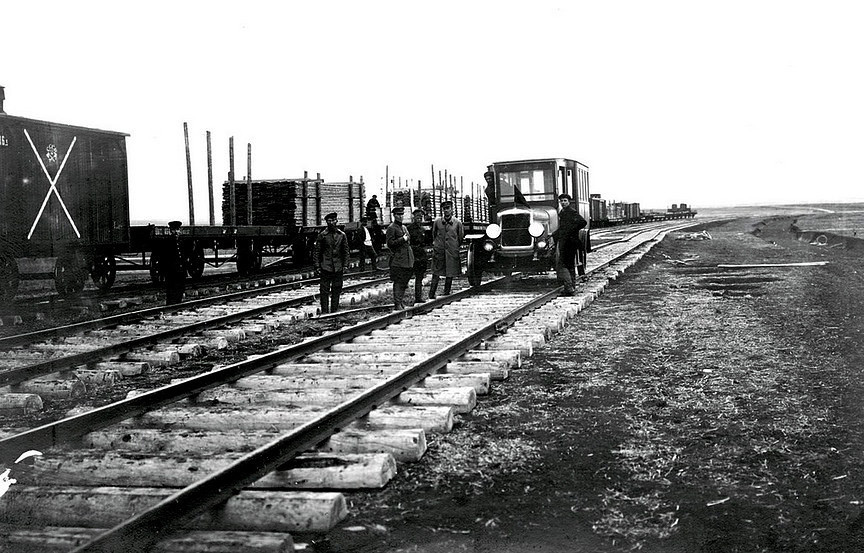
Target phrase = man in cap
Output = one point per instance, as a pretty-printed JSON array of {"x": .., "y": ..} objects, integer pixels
[
  {"x": 372, "y": 207},
  {"x": 568, "y": 243},
  {"x": 331, "y": 258},
  {"x": 401, "y": 257},
  {"x": 447, "y": 236},
  {"x": 367, "y": 243},
  {"x": 171, "y": 265},
  {"x": 418, "y": 248}
]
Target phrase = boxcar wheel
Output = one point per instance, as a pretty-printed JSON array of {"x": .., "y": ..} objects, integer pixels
[
  {"x": 8, "y": 278},
  {"x": 69, "y": 275},
  {"x": 103, "y": 270}
]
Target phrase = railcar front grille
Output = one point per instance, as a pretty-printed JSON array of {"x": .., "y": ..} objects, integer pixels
[{"x": 514, "y": 230}]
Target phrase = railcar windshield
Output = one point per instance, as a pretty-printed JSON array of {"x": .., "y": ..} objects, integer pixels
[{"x": 535, "y": 182}]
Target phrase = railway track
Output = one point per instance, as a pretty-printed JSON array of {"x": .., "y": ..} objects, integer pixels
[{"x": 333, "y": 413}]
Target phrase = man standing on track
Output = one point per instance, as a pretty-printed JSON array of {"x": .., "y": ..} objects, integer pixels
[
  {"x": 331, "y": 258},
  {"x": 568, "y": 244},
  {"x": 401, "y": 257},
  {"x": 418, "y": 248},
  {"x": 172, "y": 267},
  {"x": 447, "y": 236}
]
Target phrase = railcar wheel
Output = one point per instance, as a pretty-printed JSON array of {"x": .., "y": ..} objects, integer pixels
[
  {"x": 9, "y": 278},
  {"x": 194, "y": 263},
  {"x": 249, "y": 258},
  {"x": 475, "y": 270},
  {"x": 69, "y": 275},
  {"x": 156, "y": 276},
  {"x": 103, "y": 270}
]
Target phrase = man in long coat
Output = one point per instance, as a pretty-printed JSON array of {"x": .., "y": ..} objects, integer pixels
[
  {"x": 401, "y": 257},
  {"x": 447, "y": 236},
  {"x": 567, "y": 238},
  {"x": 173, "y": 270}
]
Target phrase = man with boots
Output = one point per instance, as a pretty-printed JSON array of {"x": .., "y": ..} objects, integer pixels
[
  {"x": 447, "y": 236},
  {"x": 418, "y": 248},
  {"x": 331, "y": 258},
  {"x": 401, "y": 257},
  {"x": 567, "y": 239}
]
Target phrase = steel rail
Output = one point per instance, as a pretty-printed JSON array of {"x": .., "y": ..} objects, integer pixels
[
  {"x": 145, "y": 529},
  {"x": 70, "y": 428},
  {"x": 19, "y": 374}
]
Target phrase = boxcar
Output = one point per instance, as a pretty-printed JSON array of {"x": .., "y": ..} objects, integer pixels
[{"x": 64, "y": 194}]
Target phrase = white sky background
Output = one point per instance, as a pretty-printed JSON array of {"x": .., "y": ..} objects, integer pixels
[{"x": 711, "y": 104}]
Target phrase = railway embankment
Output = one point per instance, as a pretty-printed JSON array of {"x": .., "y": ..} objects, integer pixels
[{"x": 691, "y": 407}]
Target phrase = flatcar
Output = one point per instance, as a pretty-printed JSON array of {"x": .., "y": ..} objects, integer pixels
[
  {"x": 63, "y": 194},
  {"x": 523, "y": 200}
]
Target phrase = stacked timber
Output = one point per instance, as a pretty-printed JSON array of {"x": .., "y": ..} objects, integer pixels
[{"x": 293, "y": 202}]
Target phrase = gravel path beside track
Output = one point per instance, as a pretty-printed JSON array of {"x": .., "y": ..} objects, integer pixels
[{"x": 689, "y": 408}]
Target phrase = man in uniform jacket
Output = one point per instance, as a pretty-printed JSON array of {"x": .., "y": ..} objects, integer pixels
[
  {"x": 171, "y": 266},
  {"x": 331, "y": 258},
  {"x": 447, "y": 236},
  {"x": 418, "y": 248},
  {"x": 401, "y": 257},
  {"x": 567, "y": 239}
]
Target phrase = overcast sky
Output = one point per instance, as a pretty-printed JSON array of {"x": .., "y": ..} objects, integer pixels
[{"x": 712, "y": 104}]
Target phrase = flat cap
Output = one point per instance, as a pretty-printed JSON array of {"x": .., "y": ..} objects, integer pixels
[
  {"x": 446, "y": 203},
  {"x": 174, "y": 225},
  {"x": 331, "y": 216},
  {"x": 398, "y": 210}
]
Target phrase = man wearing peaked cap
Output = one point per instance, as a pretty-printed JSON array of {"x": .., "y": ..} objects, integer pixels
[
  {"x": 568, "y": 244},
  {"x": 171, "y": 265},
  {"x": 447, "y": 236},
  {"x": 331, "y": 258},
  {"x": 401, "y": 257}
]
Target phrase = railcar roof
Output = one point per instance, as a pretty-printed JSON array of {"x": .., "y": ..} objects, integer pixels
[
  {"x": 5, "y": 116},
  {"x": 509, "y": 162}
]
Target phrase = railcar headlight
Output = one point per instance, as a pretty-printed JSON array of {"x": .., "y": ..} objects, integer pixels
[
  {"x": 535, "y": 229},
  {"x": 493, "y": 231},
  {"x": 541, "y": 244},
  {"x": 488, "y": 246}
]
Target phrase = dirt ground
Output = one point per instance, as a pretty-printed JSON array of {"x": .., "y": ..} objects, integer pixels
[{"x": 689, "y": 408}]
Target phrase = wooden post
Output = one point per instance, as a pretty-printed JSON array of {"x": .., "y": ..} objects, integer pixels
[
  {"x": 319, "y": 217},
  {"x": 210, "y": 180},
  {"x": 446, "y": 184},
  {"x": 386, "y": 185},
  {"x": 462, "y": 194},
  {"x": 350, "y": 198},
  {"x": 441, "y": 188},
  {"x": 189, "y": 175},
  {"x": 248, "y": 183},
  {"x": 231, "y": 188}
]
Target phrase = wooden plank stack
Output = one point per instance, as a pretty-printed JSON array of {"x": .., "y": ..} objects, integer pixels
[{"x": 301, "y": 201}]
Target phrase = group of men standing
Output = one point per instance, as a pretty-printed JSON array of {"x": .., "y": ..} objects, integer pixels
[{"x": 408, "y": 257}]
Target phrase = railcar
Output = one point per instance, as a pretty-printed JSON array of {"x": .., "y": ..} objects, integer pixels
[
  {"x": 523, "y": 200},
  {"x": 63, "y": 194}
]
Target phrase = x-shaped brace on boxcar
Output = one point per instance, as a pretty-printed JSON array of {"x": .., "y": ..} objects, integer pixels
[{"x": 53, "y": 185}]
